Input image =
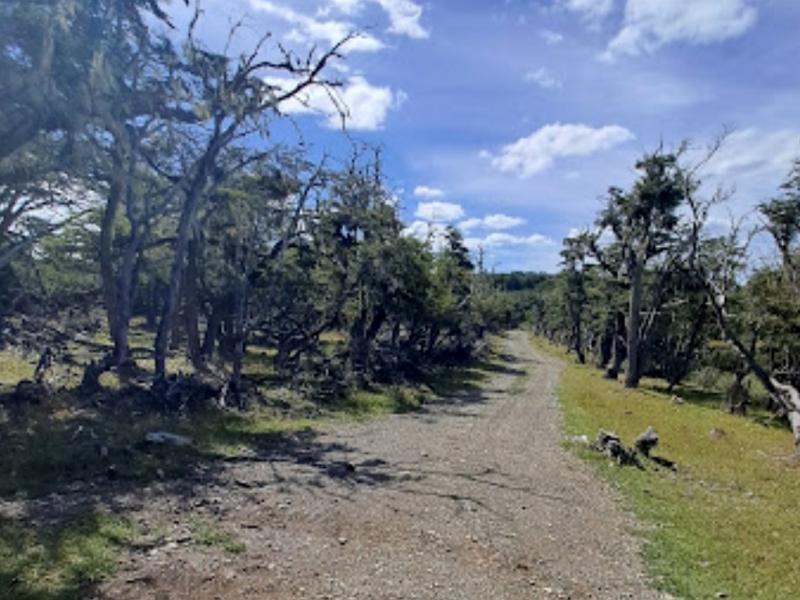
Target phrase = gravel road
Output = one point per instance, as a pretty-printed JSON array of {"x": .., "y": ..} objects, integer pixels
[{"x": 470, "y": 499}]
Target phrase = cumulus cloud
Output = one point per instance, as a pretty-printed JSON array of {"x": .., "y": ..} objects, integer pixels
[
  {"x": 470, "y": 224},
  {"x": 650, "y": 24},
  {"x": 496, "y": 222},
  {"x": 428, "y": 193},
  {"x": 425, "y": 231},
  {"x": 539, "y": 151},
  {"x": 365, "y": 107},
  {"x": 543, "y": 79},
  {"x": 308, "y": 30},
  {"x": 404, "y": 15},
  {"x": 439, "y": 212},
  {"x": 502, "y": 222},
  {"x": 500, "y": 240}
]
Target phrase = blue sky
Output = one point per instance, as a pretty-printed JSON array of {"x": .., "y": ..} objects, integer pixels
[{"x": 510, "y": 118}]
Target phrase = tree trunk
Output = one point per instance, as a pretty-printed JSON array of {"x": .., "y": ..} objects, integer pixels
[
  {"x": 127, "y": 280},
  {"x": 190, "y": 309},
  {"x": 107, "y": 279},
  {"x": 192, "y": 203},
  {"x": 604, "y": 348},
  {"x": 633, "y": 373},
  {"x": 240, "y": 336},
  {"x": 619, "y": 351},
  {"x": 211, "y": 334},
  {"x": 433, "y": 337}
]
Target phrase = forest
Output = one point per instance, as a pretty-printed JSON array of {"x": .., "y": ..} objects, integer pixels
[
  {"x": 142, "y": 194},
  {"x": 230, "y": 366}
]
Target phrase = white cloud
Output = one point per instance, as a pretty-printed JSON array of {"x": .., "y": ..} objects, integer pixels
[
  {"x": 308, "y": 30},
  {"x": 470, "y": 224},
  {"x": 428, "y": 193},
  {"x": 404, "y": 15},
  {"x": 496, "y": 222},
  {"x": 591, "y": 10},
  {"x": 574, "y": 233},
  {"x": 502, "y": 222},
  {"x": 425, "y": 231},
  {"x": 537, "y": 152},
  {"x": 368, "y": 106},
  {"x": 439, "y": 212},
  {"x": 650, "y": 24},
  {"x": 543, "y": 79},
  {"x": 365, "y": 106},
  {"x": 551, "y": 37},
  {"x": 500, "y": 240},
  {"x": 752, "y": 153}
]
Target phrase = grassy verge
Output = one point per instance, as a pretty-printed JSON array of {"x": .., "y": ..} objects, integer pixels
[
  {"x": 724, "y": 524},
  {"x": 59, "y": 564}
]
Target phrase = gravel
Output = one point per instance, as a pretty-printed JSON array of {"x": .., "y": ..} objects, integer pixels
[{"x": 473, "y": 498}]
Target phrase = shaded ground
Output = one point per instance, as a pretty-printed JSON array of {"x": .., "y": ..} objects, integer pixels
[{"x": 473, "y": 498}]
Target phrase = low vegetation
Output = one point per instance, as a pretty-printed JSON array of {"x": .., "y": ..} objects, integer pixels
[
  {"x": 721, "y": 525},
  {"x": 59, "y": 563}
]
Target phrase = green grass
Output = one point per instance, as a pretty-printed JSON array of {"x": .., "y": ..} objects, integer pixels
[
  {"x": 59, "y": 564},
  {"x": 14, "y": 368},
  {"x": 206, "y": 533},
  {"x": 725, "y": 522}
]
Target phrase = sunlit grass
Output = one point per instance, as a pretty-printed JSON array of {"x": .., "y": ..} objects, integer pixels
[
  {"x": 14, "y": 368},
  {"x": 59, "y": 564},
  {"x": 724, "y": 523}
]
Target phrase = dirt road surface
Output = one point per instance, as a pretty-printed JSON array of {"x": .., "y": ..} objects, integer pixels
[{"x": 473, "y": 499}]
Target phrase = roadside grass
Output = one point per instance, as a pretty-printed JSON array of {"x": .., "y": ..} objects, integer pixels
[
  {"x": 724, "y": 524},
  {"x": 59, "y": 564}
]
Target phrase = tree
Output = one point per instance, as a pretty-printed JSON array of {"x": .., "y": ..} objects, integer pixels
[
  {"x": 716, "y": 263},
  {"x": 236, "y": 101},
  {"x": 643, "y": 222},
  {"x": 573, "y": 256}
]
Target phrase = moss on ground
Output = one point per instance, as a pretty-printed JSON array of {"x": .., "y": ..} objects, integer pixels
[{"x": 724, "y": 523}]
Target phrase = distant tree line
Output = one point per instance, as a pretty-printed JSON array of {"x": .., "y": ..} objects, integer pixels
[{"x": 138, "y": 174}]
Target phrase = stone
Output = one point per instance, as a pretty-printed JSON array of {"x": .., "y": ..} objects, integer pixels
[
  {"x": 646, "y": 441},
  {"x": 169, "y": 439},
  {"x": 716, "y": 433}
]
